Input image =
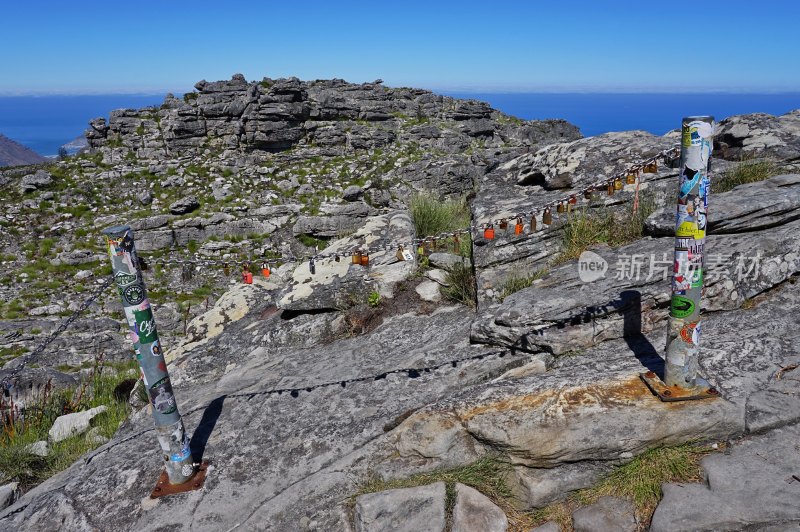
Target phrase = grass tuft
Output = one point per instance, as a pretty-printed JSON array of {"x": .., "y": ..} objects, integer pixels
[
  {"x": 585, "y": 228},
  {"x": 747, "y": 171},
  {"x": 461, "y": 285},
  {"x": 432, "y": 216},
  {"x": 518, "y": 280},
  {"x": 639, "y": 480}
]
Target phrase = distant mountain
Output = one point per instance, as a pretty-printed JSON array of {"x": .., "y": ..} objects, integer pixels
[
  {"x": 76, "y": 145},
  {"x": 13, "y": 153}
]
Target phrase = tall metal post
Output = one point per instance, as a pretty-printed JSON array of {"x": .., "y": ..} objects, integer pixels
[
  {"x": 169, "y": 425},
  {"x": 683, "y": 334}
]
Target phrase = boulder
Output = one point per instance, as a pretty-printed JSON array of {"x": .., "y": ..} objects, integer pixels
[
  {"x": 420, "y": 509},
  {"x": 70, "y": 425},
  {"x": 608, "y": 514},
  {"x": 352, "y": 193},
  {"x": 35, "y": 181},
  {"x": 759, "y": 135},
  {"x": 429, "y": 291},
  {"x": 184, "y": 205},
  {"x": 39, "y": 448},
  {"x": 475, "y": 512}
]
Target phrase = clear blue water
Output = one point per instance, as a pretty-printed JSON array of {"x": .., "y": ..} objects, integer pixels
[
  {"x": 656, "y": 113},
  {"x": 43, "y": 123}
]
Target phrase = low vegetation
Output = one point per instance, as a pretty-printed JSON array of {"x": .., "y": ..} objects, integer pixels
[
  {"x": 639, "y": 480},
  {"x": 586, "y": 228},
  {"x": 519, "y": 280},
  {"x": 433, "y": 216},
  {"x": 460, "y": 285},
  {"x": 747, "y": 171},
  {"x": 19, "y": 428}
]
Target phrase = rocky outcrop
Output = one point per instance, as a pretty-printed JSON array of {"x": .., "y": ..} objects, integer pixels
[
  {"x": 13, "y": 153},
  {"x": 759, "y": 135},
  {"x": 406, "y": 510}
]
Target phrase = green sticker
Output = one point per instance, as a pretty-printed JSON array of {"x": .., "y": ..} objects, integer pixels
[
  {"x": 681, "y": 307},
  {"x": 123, "y": 279},
  {"x": 697, "y": 278},
  {"x": 145, "y": 326}
]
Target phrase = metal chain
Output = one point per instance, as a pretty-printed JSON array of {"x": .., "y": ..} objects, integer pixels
[
  {"x": 61, "y": 328},
  {"x": 413, "y": 243}
]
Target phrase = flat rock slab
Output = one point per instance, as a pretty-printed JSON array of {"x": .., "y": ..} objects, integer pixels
[
  {"x": 475, "y": 512},
  {"x": 73, "y": 424},
  {"x": 419, "y": 509},
  {"x": 750, "y": 488},
  {"x": 608, "y": 514}
]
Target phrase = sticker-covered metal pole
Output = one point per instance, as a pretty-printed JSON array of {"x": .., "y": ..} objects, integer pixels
[
  {"x": 683, "y": 334},
  {"x": 169, "y": 425}
]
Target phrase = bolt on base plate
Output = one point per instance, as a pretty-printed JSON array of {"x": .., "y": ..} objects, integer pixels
[
  {"x": 669, "y": 394},
  {"x": 164, "y": 488}
]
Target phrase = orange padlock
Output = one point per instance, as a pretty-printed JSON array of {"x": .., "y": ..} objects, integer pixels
[
  {"x": 364, "y": 259},
  {"x": 265, "y": 270},
  {"x": 573, "y": 200},
  {"x": 518, "y": 227},
  {"x": 488, "y": 233}
]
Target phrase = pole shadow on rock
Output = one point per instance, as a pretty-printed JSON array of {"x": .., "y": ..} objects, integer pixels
[
  {"x": 206, "y": 426},
  {"x": 632, "y": 332}
]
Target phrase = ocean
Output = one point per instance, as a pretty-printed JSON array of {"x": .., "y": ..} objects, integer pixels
[{"x": 43, "y": 123}]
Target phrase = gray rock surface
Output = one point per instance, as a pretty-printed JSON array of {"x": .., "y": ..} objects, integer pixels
[
  {"x": 759, "y": 135},
  {"x": 8, "y": 494},
  {"x": 38, "y": 448},
  {"x": 446, "y": 260},
  {"x": 550, "y": 526},
  {"x": 35, "y": 181},
  {"x": 750, "y": 488},
  {"x": 420, "y": 509},
  {"x": 475, "y": 512},
  {"x": 608, "y": 514},
  {"x": 184, "y": 205},
  {"x": 429, "y": 291},
  {"x": 70, "y": 425},
  {"x": 539, "y": 487}
]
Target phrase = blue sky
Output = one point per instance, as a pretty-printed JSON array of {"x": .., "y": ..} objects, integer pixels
[{"x": 561, "y": 45}]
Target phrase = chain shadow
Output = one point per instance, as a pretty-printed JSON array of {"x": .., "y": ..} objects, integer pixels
[
  {"x": 637, "y": 342},
  {"x": 206, "y": 426}
]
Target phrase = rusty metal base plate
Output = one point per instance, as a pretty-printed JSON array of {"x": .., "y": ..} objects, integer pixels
[
  {"x": 164, "y": 488},
  {"x": 670, "y": 394}
]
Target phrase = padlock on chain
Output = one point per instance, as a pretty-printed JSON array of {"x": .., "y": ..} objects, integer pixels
[
  {"x": 547, "y": 216},
  {"x": 364, "y": 259},
  {"x": 533, "y": 223},
  {"x": 561, "y": 207},
  {"x": 651, "y": 167},
  {"x": 265, "y": 270},
  {"x": 356, "y": 257},
  {"x": 618, "y": 184},
  {"x": 630, "y": 179},
  {"x": 226, "y": 269},
  {"x": 610, "y": 188},
  {"x": 518, "y": 227},
  {"x": 488, "y": 232},
  {"x": 247, "y": 275},
  {"x": 503, "y": 224}
]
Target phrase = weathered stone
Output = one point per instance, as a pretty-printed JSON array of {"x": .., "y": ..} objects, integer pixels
[
  {"x": 409, "y": 509},
  {"x": 429, "y": 291},
  {"x": 184, "y": 205},
  {"x": 446, "y": 260},
  {"x": 440, "y": 276},
  {"x": 749, "y": 488},
  {"x": 352, "y": 193},
  {"x": 8, "y": 494},
  {"x": 549, "y": 526},
  {"x": 475, "y": 512},
  {"x": 38, "y": 448},
  {"x": 35, "y": 181},
  {"x": 70, "y": 425},
  {"x": 608, "y": 514},
  {"x": 759, "y": 135},
  {"x": 540, "y": 487}
]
